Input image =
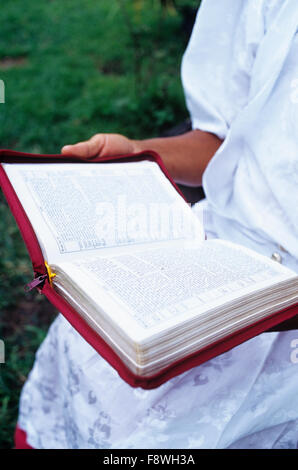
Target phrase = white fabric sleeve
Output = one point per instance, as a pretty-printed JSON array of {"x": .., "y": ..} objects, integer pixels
[{"x": 217, "y": 63}]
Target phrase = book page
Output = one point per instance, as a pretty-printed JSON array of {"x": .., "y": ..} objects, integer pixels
[
  {"x": 160, "y": 287},
  {"x": 80, "y": 207}
]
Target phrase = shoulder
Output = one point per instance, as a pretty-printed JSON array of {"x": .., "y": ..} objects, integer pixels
[{"x": 228, "y": 15}]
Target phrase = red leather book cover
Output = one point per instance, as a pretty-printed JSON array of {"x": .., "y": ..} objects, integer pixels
[{"x": 40, "y": 270}]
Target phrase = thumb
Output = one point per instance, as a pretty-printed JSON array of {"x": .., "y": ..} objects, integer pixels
[{"x": 88, "y": 149}]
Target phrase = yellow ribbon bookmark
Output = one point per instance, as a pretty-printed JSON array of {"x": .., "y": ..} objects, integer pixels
[{"x": 51, "y": 275}]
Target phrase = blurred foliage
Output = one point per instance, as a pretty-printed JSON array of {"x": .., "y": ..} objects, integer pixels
[
  {"x": 14, "y": 266},
  {"x": 83, "y": 67},
  {"x": 72, "y": 69}
]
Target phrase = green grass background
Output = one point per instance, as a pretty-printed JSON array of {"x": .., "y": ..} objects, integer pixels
[{"x": 72, "y": 69}]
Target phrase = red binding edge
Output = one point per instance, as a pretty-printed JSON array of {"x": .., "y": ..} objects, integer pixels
[{"x": 30, "y": 239}]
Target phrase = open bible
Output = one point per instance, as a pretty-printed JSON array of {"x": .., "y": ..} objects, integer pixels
[{"x": 127, "y": 253}]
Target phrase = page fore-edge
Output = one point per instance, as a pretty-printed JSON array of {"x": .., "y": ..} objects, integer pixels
[{"x": 39, "y": 268}]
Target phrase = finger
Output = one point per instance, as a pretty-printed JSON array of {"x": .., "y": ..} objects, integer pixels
[
  {"x": 76, "y": 150},
  {"x": 87, "y": 149}
]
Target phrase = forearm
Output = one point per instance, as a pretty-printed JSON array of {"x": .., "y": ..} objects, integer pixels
[{"x": 185, "y": 156}]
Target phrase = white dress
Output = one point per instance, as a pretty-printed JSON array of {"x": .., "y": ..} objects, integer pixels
[{"x": 247, "y": 397}]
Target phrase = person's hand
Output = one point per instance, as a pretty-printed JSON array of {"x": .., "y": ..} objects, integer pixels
[{"x": 102, "y": 145}]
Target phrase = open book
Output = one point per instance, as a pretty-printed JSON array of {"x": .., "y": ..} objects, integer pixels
[{"x": 126, "y": 251}]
